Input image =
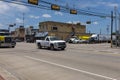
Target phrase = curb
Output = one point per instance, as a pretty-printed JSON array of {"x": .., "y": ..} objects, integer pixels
[
  {"x": 5, "y": 75},
  {"x": 1, "y": 78}
]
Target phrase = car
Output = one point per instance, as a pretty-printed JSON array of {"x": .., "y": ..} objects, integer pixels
[
  {"x": 75, "y": 40},
  {"x": 18, "y": 40}
]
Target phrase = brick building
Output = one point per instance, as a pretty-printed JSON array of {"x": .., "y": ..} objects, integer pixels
[
  {"x": 20, "y": 33},
  {"x": 62, "y": 30}
]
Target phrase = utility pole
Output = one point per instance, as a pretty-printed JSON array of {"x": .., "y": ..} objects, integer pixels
[
  {"x": 111, "y": 28},
  {"x": 67, "y": 6},
  {"x": 23, "y": 19},
  {"x": 116, "y": 34},
  {"x": 119, "y": 30},
  {"x": 107, "y": 29},
  {"x": 100, "y": 31},
  {"x": 24, "y": 27},
  {"x": 119, "y": 24}
]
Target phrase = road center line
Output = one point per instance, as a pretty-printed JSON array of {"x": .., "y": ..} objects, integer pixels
[{"x": 67, "y": 67}]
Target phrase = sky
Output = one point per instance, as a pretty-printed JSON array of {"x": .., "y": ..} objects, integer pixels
[{"x": 11, "y": 13}]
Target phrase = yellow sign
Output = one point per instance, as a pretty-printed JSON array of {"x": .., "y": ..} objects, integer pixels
[
  {"x": 2, "y": 38},
  {"x": 73, "y": 11},
  {"x": 55, "y": 7},
  {"x": 35, "y": 2}
]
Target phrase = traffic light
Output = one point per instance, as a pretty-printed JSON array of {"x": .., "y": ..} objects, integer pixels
[
  {"x": 72, "y": 11},
  {"x": 55, "y": 7},
  {"x": 35, "y": 2}
]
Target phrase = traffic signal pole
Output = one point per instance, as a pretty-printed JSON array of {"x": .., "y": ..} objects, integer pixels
[{"x": 111, "y": 28}]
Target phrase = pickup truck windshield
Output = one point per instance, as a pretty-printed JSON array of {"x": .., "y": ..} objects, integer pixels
[{"x": 54, "y": 38}]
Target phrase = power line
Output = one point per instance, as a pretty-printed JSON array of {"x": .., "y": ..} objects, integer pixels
[
  {"x": 84, "y": 12},
  {"x": 47, "y": 6}
]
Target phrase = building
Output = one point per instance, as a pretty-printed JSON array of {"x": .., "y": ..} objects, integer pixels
[
  {"x": 19, "y": 33},
  {"x": 62, "y": 30},
  {"x": 30, "y": 33},
  {"x": 13, "y": 34},
  {"x": 23, "y": 34}
]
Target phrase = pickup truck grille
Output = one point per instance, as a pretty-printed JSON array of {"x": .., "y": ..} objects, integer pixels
[
  {"x": 8, "y": 39},
  {"x": 61, "y": 44}
]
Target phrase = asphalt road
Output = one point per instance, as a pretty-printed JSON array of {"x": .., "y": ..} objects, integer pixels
[{"x": 76, "y": 62}]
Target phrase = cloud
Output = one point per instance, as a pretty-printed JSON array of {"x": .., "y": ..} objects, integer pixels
[
  {"x": 69, "y": 22},
  {"x": 109, "y": 4},
  {"x": 46, "y": 15},
  {"x": 6, "y": 8},
  {"x": 20, "y": 8},
  {"x": 74, "y": 22},
  {"x": 87, "y": 4},
  {"x": 1, "y": 25},
  {"x": 34, "y": 17},
  {"x": 58, "y": 13},
  {"x": 95, "y": 3},
  {"x": 19, "y": 20},
  {"x": 95, "y": 23}
]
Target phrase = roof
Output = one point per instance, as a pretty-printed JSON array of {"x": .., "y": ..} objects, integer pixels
[
  {"x": 61, "y": 23},
  {"x": 4, "y": 30}
]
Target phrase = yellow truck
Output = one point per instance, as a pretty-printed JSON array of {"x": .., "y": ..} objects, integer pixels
[
  {"x": 85, "y": 37},
  {"x": 2, "y": 38},
  {"x": 6, "y": 40}
]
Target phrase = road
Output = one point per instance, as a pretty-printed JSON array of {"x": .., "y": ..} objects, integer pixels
[{"x": 76, "y": 62}]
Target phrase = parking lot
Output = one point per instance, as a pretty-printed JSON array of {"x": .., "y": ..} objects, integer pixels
[{"x": 77, "y": 61}]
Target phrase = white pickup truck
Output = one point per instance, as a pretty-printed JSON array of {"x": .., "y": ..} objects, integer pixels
[{"x": 51, "y": 42}]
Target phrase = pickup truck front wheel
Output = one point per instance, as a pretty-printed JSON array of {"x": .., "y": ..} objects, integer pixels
[
  {"x": 13, "y": 46},
  {"x": 52, "y": 47},
  {"x": 39, "y": 46},
  {"x": 62, "y": 48}
]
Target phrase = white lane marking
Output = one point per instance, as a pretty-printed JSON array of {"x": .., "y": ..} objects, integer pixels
[{"x": 82, "y": 71}]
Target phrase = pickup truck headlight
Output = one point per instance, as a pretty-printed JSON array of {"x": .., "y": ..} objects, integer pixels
[{"x": 56, "y": 44}]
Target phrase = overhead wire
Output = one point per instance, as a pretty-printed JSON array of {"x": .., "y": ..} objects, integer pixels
[
  {"x": 47, "y": 6},
  {"x": 84, "y": 12}
]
